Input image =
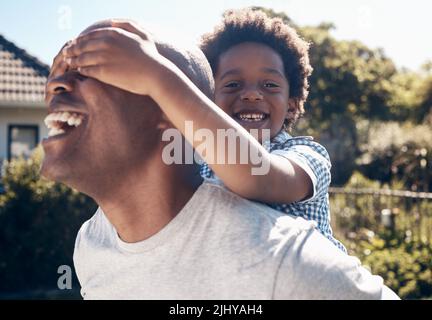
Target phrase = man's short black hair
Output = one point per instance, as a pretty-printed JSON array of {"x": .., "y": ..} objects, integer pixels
[
  {"x": 192, "y": 62},
  {"x": 249, "y": 25}
]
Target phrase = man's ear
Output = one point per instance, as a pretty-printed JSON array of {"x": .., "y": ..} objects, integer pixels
[{"x": 164, "y": 123}]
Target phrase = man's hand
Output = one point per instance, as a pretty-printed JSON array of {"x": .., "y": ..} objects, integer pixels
[{"x": 123, "y": 55}]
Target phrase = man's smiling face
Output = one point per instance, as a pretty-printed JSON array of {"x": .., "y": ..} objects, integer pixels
[{"x": 95, "y": 129}]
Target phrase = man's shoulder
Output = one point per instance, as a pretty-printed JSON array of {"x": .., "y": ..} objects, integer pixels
[
  {"x": 240, "y": 215},
  {"x": 93, "y": 222},
  {"x": 250, "y": 235},
  {"x": 95, "y": 230}
]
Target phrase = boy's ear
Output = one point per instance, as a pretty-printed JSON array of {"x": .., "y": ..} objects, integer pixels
[{"x": 293, "y": 108}]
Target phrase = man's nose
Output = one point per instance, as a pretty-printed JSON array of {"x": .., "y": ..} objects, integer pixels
[
  {"x": 60, "y": 84},
  {"x": 251, "y": 94}
]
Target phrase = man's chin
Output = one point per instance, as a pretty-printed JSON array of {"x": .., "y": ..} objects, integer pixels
[
  {"x": 84, "y": 183},
  {"x": 51, "y": 173},
  {"x": 58, "y": 170}
]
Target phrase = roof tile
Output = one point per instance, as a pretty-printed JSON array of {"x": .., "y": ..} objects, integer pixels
[{"x": 22, "y": 76}]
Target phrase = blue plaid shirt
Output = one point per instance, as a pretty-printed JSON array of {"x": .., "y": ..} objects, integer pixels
[{"x": 314, "y": 159}]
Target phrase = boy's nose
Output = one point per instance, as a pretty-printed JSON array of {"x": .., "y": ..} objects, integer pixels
[{"x": 251, "y": 94}]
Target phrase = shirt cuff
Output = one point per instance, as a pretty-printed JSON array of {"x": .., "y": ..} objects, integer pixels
[{"x": 294, "y": 157}]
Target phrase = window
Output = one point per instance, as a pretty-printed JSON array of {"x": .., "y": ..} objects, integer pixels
[{"x": 22, "y": 139}]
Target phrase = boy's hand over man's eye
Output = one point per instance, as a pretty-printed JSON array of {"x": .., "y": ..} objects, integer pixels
[{"x": 122, "y": 55}]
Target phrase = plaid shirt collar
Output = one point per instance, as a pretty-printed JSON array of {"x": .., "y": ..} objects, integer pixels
[{"x": 276, "y": 141}]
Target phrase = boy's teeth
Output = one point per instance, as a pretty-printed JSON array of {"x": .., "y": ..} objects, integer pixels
[{"x": 251, "y": 116}]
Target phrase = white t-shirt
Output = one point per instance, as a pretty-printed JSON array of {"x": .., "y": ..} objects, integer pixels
[{"x": 220, "y": 246}]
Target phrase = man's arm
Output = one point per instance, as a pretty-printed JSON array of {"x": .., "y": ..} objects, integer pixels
[{"x": 123, "y": 59}]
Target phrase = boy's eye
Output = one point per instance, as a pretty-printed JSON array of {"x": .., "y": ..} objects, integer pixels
[
  {"x": 271, "y": 85},
  {"x": 232, "y": 84}
]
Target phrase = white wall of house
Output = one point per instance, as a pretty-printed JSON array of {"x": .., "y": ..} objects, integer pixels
[{"x": 16, "y": 115}]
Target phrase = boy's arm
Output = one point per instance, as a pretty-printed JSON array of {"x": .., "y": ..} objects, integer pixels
[
  {"x": 281, "y": 180},
  {"x": 131, "y": 62}
]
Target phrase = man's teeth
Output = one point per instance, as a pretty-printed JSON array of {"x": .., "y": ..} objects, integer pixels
[
  {"x": 57, "y": 120},
  {"x": 55, "y": 132},
  {"x": 73, "y": 121},
  {"x": 251, "y": 116}
]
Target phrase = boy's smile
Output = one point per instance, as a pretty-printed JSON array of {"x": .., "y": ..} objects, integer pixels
[{"x": 251, "y": 86}]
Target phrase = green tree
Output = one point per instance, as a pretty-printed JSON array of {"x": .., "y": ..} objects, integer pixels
[
  {"x": 39, "y": 220},
  {"x": 398, "y": 152},
  {"x": 351, "y": 84},
  {"x": 424, "y": 110}
]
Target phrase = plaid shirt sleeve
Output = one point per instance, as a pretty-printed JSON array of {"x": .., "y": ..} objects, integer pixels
[
  {"x": 205, "y": 171},
  {"x": 313, "y": 158}
]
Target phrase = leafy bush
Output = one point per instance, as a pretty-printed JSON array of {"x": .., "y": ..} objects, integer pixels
[
  {"x": 392, "y": 151},
  {"x": 354, "y": 213},
  {"x": 39, "y": 220},
  {"x": 405, "y": 265},
  {"x": 402, "y": 254}
]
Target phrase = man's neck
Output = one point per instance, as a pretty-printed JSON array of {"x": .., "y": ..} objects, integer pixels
[{"x": 142, "y": 203}]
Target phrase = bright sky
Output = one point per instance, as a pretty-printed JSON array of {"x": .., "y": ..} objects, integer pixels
[{"x": 402, "y": 28}]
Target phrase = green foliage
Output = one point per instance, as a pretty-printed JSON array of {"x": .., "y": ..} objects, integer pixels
[
  {"x": 271, "y": 13},
  {"x": 352, "y": 215},
  {"x": 353, "y": 84},
  {"x": 394, "y": 152},
  {"x": 424, "y": 110},
  {"x": 402, "y": 254},
  {"x": 350, "y": 82},
  {"x": 348, "y": 79},
  {"x": 356, "y": 216},
  {"x": 406, "y": 266},
  {"x": 405, "y": 100},
  {"x": 39, "y": 220}
]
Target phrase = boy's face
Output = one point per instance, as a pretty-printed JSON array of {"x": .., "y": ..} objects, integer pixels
[{"x": 250, "y": 85}]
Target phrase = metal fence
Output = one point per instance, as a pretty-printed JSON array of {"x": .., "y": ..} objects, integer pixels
[{"x": 374, "y": 210}]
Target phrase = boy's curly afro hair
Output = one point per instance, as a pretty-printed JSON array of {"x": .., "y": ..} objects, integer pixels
[{"x": 249, "y": 25}]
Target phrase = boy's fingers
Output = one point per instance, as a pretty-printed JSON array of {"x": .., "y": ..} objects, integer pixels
[
  {"x": 74, "y": 47},
  {"x": 58, "y": 66},
  {"x": 91, "y": 71},
  {"x": 86, "y": 45},
  {"x": 96, "y": 39},
  {"x": 57, "y": 69},
  {"x": 131, "y": 27},
  {"x": 59, "y": 57},
  {"x": 86, "y": 59},
  {"x": 98, "y": 33}
]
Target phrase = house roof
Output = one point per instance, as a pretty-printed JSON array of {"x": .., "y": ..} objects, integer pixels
[{"x": 22, "y": 76}]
